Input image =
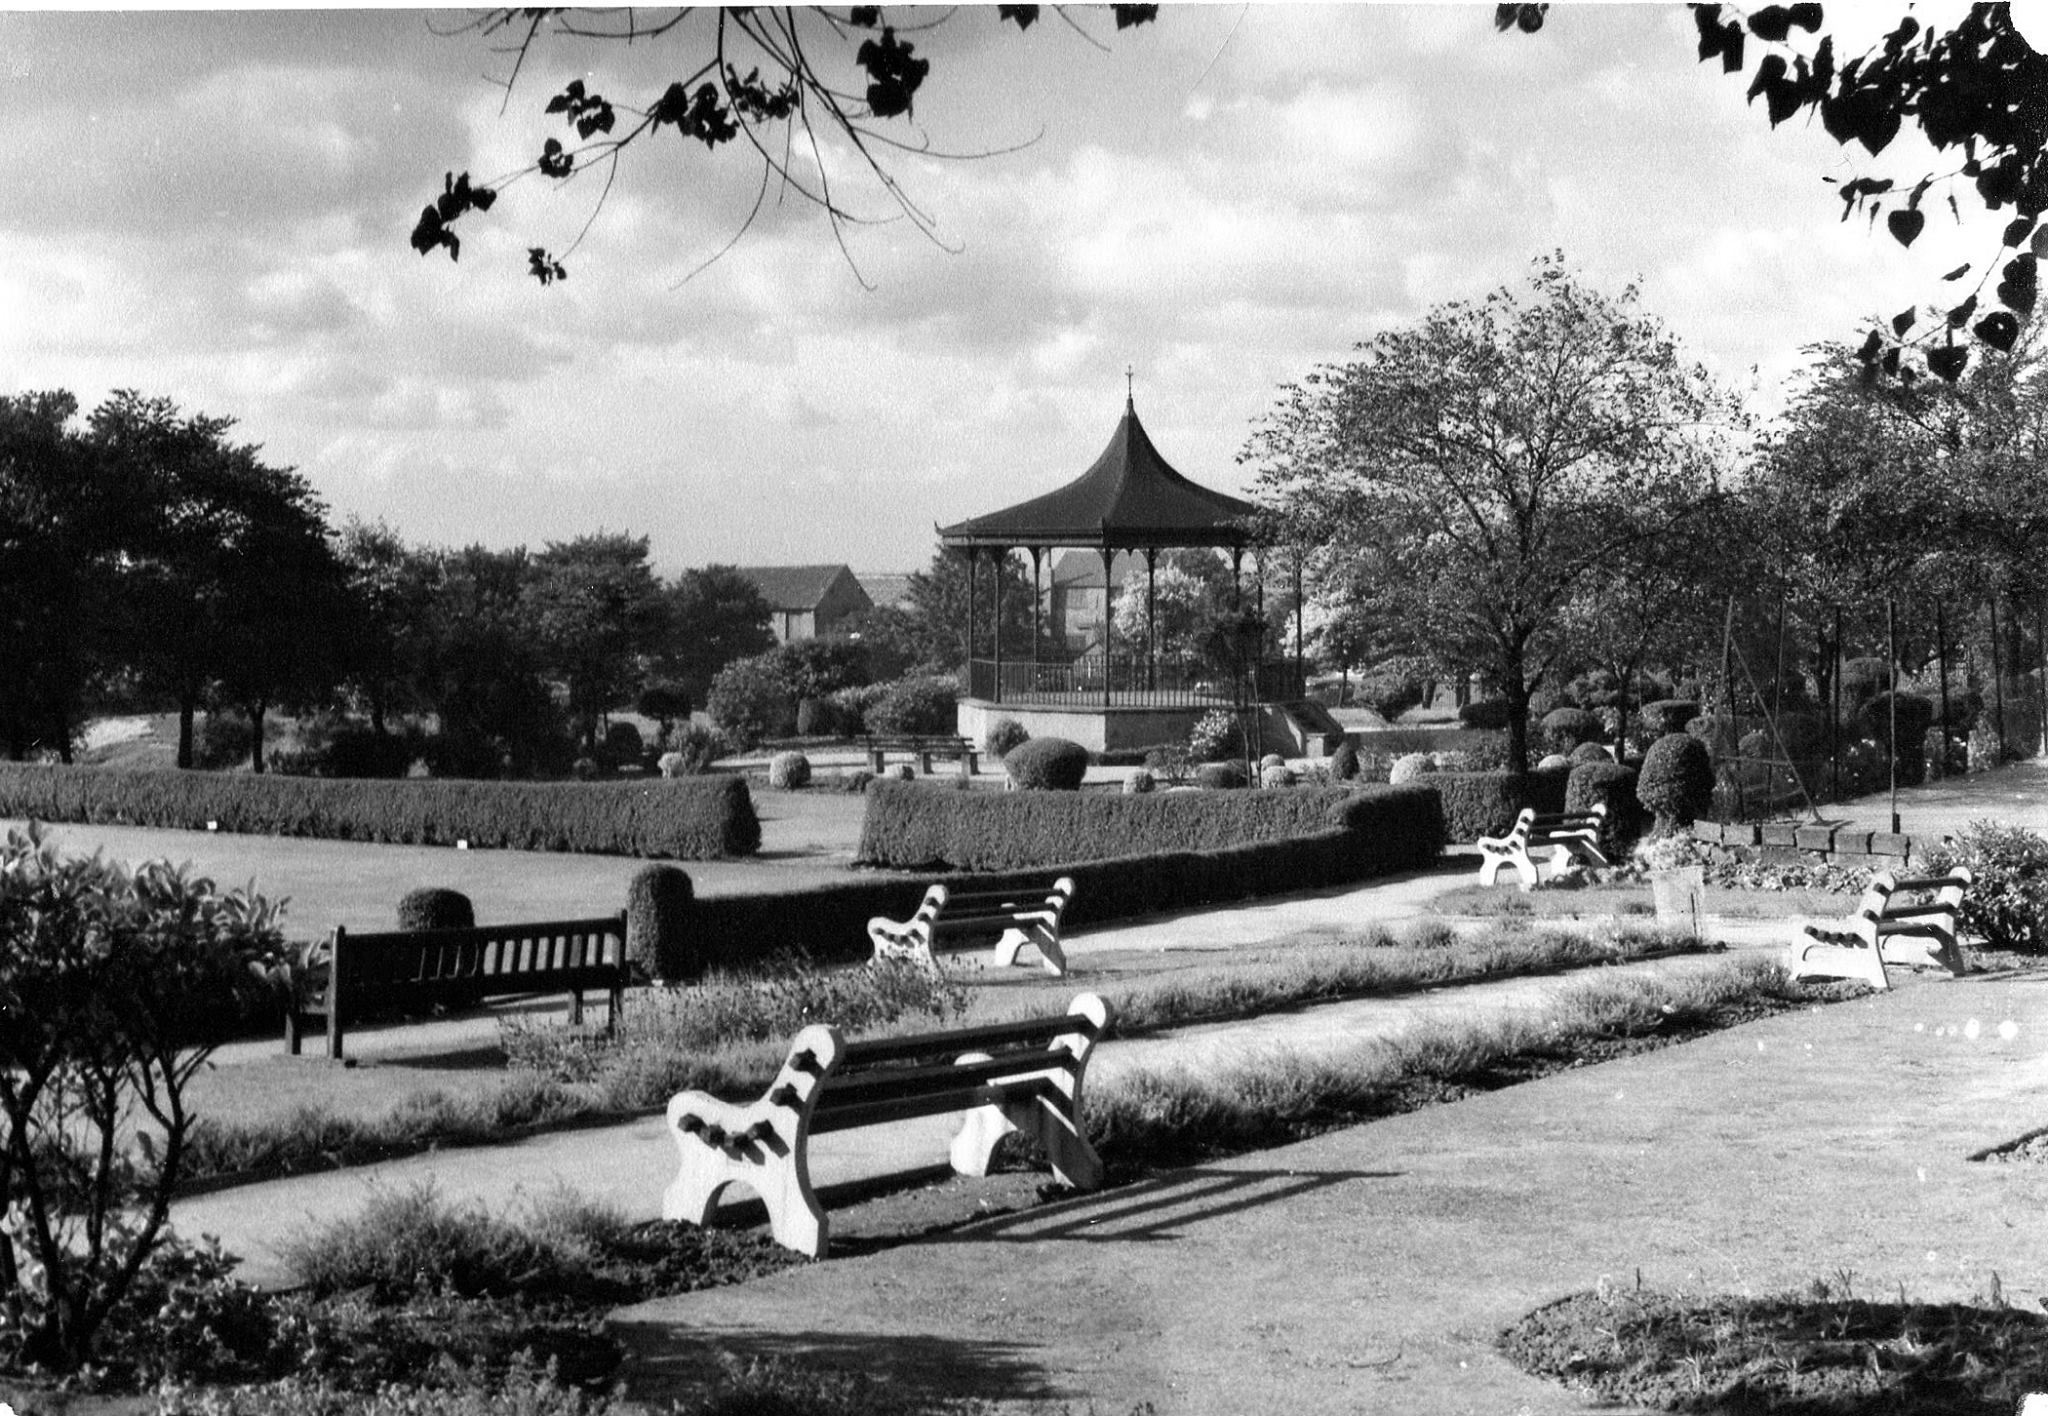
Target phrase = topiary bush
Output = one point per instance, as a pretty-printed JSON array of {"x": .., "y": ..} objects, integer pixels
[
  {"x": 921, "y": 706},
  {"x": 1677, "y": 782},
  {"x": 789, "y": 771},
  {"x": 1554, "y": 762},
  {"x": 1344, "y": 762},
  {"x": 1668, "y": 715},
  {"x": 1563, "y": 729},
  {"x": 1915, "y": 715},
  {"x": 658, "y": 903},
  {"x": 1139, "y": 783},
  {"x": 1002, "y": 735},
  {"x": 1608, "y": 783},
  {"x": 2007, "y": 902},
  {"x": 1221, "y": 776},
  {"x": 1047, "y": 764},
  {"x": 1590, "y": 752},
  {"x": 431, "y": 907},
  {"x": 1409, "y": 766},
  {"x": 1277, "y": 774}
]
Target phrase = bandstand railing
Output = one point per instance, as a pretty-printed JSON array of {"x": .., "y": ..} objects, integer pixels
[{"x": 1131, "y": 680}]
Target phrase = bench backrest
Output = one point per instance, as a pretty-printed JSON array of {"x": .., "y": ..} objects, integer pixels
[
  {"x": 512, "y": 953},
  {"x": 1051, "y": 898},
  {"x": 1884, "y": 896}
]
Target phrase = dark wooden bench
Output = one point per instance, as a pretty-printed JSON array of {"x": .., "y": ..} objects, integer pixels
[
  {"x": 1543, "y": 846},
  {"x": 1022, "y": 1076},
  {"x": 1015, "y": 918},
  {"x": 923, "y": 748},
  {"x": 462, "y": 968},
  {"x": 1904, "y": 922}
]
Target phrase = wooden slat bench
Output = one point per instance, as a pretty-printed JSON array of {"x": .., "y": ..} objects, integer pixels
[
  {"x": 1014, "y": 918},
  {"x": 463, "y": 968},
  {"x": 1023, "y": 1076},
  {"x": 1540, "y": 847},
  {"x": 923, "y": 748},
  {"x": 1903, "y": 922}
]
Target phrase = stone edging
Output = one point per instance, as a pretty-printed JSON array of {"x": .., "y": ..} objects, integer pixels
[{"x": 1837, "y": 843}]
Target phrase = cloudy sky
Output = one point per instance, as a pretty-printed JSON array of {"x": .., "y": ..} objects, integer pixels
[{"x": 214, "y": 207}]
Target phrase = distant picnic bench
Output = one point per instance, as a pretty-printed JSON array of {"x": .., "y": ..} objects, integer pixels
[
  {"x": 1543, "y": 846},
  {"x": 1908, "y": 923},
  {"x": 1022, "y": 1076},
  {"x": 923, "y": 747},
  {"x": 416, "y": 970},
  {"x": 1016, "y": 918}
]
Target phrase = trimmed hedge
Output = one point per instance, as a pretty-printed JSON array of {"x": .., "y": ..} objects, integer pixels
[
  {"x": 432, "y": 907},
  {"x": 917, "y": 827},
  {"x": 1358, "y": 835},
  {"x": 1479, "y": 804},
  {"x": 689, "y": 818}
]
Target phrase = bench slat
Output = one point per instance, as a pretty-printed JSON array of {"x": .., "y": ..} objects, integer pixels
[
  {"x": 852, "y": 1115},
  {"x": 983, "y": 1039}
]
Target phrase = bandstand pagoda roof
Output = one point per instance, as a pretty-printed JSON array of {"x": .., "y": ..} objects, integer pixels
[{"x": 1131, "y": 498}]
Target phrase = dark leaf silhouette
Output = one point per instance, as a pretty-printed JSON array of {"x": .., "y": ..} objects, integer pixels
[
  {"x": 1958, "y": 273},
  {"x": 1771, "y": 24},
  {"x": 1948, "y": 362},
  {"x": 1901, "y": 322},
  {"x": 1129, "y": 16},
  {"x": 543, "y": 267},
  {"x": 895, "y": 73},
  {"x": 1960, "y": 315},
  {"x": 1999, "y": 330},
  {"x": 554, "y": 162},
  {"x": 1023, "y": 16},
  {"x": 1905, "y": 226},
  {"x": 2017, "y": 291},
  {"x": 2017, "y": 230}
]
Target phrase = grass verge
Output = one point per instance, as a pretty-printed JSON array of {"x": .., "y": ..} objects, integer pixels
[
  {"x": 1824, "y": 1350},
  {"x": 729, "y": 1036},
  {"x": 1574, "y": 898}
]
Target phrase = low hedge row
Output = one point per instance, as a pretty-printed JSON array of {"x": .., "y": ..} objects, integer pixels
[
  {"x": 1479, "y": 804},
  {"x": 1362, "y": 834},
  {"x": 689, "y": 818},
  {"x": 913, "y": 825}
]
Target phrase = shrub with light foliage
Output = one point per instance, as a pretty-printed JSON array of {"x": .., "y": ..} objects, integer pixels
[
  {"x": 789, "y": 771},
  {"x": 1409, "y": 766},
  {"x": 1002, "y": 735},
  {"x": 2007, "y": 902}
]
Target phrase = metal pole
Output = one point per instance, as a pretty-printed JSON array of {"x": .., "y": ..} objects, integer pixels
[
  {"x": 971, "y": 559},
  {"x": 1891, "y": 631},
  {"x": 2042, "y": 641},
  {"x": 1108, "y": 619},
  {"x": 1997, "y": 683},
  {"x": 1151, "y": 619},
  {"x": 995, "y": 565},
  {"x": 1941, "y": 655},
  {"x": 1037, "y": 633},
  {"x": 1835, "y": 716}
]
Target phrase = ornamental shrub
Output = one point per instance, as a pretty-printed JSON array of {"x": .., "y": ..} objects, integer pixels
[
  {"x": 1216, "y": 736},
  {"x": 1916, "y": 716},
  {"x": 1554, "y": 762},
  {"x": 1677, "y": 781},
  {"x": 1277, "y": 774},
  {"x": 1168, "y": 764},
  {"x": 1221, "y": 776},
  {"x": 1047, "y": 764},
  {"x": 1002, "y": 735},
  {"x": 751, "y": 701},
  {"x": 820, "y": 718},
  {"x": 694, "y": 751},
  {"x": 1272, "y": 759},
  {"x": 1139, "y": 783},
  {"x": 1392, "y": 688},
  {"x": 1563, "y": 729},
  {"x": 431, "y": 907},
  {"x": 2007, "y": 902},
  {"x": 1490, "y": 714},
  {"x": 1344, "y": 762},
  {"x": 922, "y": 706},
  {"x": 658, "y": 901},
  {"x": 1475, "y": 804},
  {"x": 789, "y": 771},
  {"x": 623, "y": 745},
  {"x": 1607, "y": 782},
  {"x": 853, "y": 705},
  {"x": 1668, "y": 715},
  {"x": 1589, "y": 752},
  {"x": 1409, "y": 766}
]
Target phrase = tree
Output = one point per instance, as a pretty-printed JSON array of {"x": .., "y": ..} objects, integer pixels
[
  {"x": 482, "y": 668},
  {"x": 390, "y": 586},
  {"x": 600, "y": 615},
  {"x": 938, "y": 596},
  {"x": 1189, "y": 590},
  {"x": 716, "y": 615},
  {"x": 233, "y": 586},
  {"x": 1977, "y": 88},
  {"x": 798, "y": 105},
  {"x": 1481, "y": 465}
]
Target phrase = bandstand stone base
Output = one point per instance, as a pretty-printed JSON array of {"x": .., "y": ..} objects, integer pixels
[{"x": 1099, "y": 729}]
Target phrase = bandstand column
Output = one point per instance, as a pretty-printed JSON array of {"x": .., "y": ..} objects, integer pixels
[
  {"x": 972, "y": 557},
  {"x": 1108, "y": 618},
  {"x": 997, "y": 556},
  {"x": 1151, "y": 620},
  {"x": 1037, "y": 635}
]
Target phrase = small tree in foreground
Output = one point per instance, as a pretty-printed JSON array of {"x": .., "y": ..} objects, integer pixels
[{"x": 115, "y": 987}]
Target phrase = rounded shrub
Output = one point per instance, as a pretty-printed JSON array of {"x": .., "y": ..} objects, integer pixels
[
  {"x": 788, "y": 771},
  {"x": 1277, "y": 774},
  {"x": 1606, "y": 782},
  {"x": 1002, "y": 735},
  {"x": 1590, "y": 752},
  {"x": 858, "y": 779},
  {"x": 623, "y": 745},
  {"x": 694, "y": 751},
  {"x": 1409, "y": 766},
  {"x": 1668, "y": 715},
  {"x": 1221, "y": 775},
  {"x": 658, "y": 903},
  {"x": 1217, "y": 736},
  {"x": 1140, "y": 782},
  {"x": 1344, "y": 762},
  {"x": 1490, "y": 714},
  {"x": 1554, "y": 762},
  {"x": 1565, "y": 728},
  {"x": 1272, "y": 759},
  {"x": 2007, "y": 902},
  {"x": 1677, "y": 782},
  {"x": 1047, "y": 764},
  {"x": 431, "y": 907},
  {"x": 923, "y": 705},
  {"x": 751, "y": 700}
]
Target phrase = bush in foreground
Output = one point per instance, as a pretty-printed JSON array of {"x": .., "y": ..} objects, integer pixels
[
  {"x": 431, "y": 907},
  {"x": 1047, "y": 764},
  {"x": 658, "y": 900},
  {"x": 2007, "y": 902}
]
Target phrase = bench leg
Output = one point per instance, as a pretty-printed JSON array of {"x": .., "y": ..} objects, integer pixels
[
  {"x": 1814, "y": 959},
  {"x": 973, "y": 761},
  {"x": 924, "y": 764},
  {"x": 875, "y": 760},
  {"x": 912, "y": 946},
  {"x": 1930, "y": 948},
  {"x": 1049, "y": 1121},
  {"x": 1040, "y": 936}
]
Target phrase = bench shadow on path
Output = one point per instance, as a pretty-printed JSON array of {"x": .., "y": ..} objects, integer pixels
[{"x": 1159, "y": 1208}]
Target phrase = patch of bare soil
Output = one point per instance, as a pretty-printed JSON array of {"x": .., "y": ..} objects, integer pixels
[{"x": 1822, "y": 1353}]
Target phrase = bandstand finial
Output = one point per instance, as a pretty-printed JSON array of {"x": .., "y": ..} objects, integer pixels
[{"x": 1130, "y": 387}]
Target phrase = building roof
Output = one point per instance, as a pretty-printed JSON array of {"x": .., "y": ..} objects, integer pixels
[
  {"x": 885, "y": 587},
  {"x": 1131, "y": 496},
  {"x": 794, "y": 587}
]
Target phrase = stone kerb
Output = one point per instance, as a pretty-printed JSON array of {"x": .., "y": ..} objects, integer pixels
[{"x": 1822, "y": 842}]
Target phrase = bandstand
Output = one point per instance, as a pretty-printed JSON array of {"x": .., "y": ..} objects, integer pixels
[{"x": 1106, "y": 695}]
